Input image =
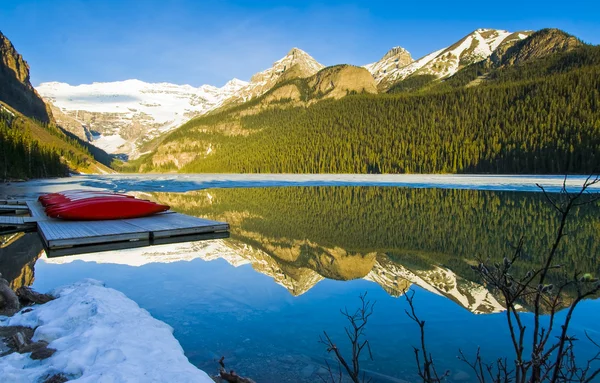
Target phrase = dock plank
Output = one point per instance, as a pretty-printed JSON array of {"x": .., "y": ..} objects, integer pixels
[
  {"x": 13, "y": 207},
  {"x": 8, "y": 220},
  {"x": 177, "y": 224},
  {"x": 95, "y": 248},
  {"x": 14, "y": 201},
  {"x": 58, "y": 233},
  {"x": 36, "y": 209}
]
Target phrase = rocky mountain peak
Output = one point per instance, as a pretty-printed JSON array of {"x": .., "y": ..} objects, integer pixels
[
  {"x": 12, "y": 60},
  {"x": 397, "y": 51},
  {"x": 235, "y": 83},
  {"x": 16, "y": 90},
  {"x": 539, "y": 44},
  {"x": 295, "y": 64},
  {"x": 305, "y": 66},
  {"x": 296, "y": 51}
]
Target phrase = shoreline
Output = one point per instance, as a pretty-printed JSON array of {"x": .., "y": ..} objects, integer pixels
[{"x": 97, "y": 332}]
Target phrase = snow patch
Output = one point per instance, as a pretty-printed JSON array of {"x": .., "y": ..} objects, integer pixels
[
  {"x": 100, "y": 336},
  {"x": 110, "y": 144}
]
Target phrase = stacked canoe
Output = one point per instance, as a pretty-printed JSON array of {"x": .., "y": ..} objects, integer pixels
[{"x": 86, "y": 205}]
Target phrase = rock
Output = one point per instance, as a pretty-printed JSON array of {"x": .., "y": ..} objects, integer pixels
[
  {"x": 42, "y": 353},
  {"x": 9, "y": 302},
  {"x": 58, "y": 378},
  {"x": 27, "y": 296},
  {"x": 33, "y": 347},
  {"x": 308, "y": 370}
]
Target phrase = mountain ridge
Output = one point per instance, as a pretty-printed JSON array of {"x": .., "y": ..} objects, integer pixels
[
  {"x": 445, "y": 62},
  {"x": 16, "y": 89}
]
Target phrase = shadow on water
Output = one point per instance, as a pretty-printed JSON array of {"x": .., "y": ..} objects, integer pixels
[{"x": 323, "y": 246}]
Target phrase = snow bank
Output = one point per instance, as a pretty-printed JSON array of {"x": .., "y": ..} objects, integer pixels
[{"x": 100, "y": 336}]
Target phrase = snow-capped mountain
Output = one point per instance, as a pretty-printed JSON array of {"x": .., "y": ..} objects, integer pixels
[
  {"x": 117, "y": 115},
  {"x": 392, "y": 61},
  {"x": 296, "y": 63},
  {"x": 476, "y": 46}
]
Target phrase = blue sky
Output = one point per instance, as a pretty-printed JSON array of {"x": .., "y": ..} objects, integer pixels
[{"x": 209, "y": 42}]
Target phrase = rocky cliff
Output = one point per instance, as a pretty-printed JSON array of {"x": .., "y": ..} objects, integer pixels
[
  {"x": 540, "y": 44},
  {"x": 15, "y": 88}
]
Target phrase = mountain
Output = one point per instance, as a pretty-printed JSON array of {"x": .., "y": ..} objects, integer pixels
[
  {"x": 15, "y": 89},
  {"x": 119, "y": 116},
  {"x": 296, "y": 64},
  {"x": 476, "y": 46},
  {"x": 177, "y": 151},
  {"x": 543, "y": 43},
  {"x": 30, "y": 141},
  {"x": 542, "y": 54},
  {"x": 389, "y": 64},
  {"x": 340, "y": 80},
  {"x": 456, "y": 112}
]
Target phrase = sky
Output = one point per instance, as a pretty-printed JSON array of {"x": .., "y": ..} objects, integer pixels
[{"x": 210, "y": 42}]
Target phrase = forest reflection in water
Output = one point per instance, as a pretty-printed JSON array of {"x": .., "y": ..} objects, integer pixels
[{"x": 306, "y": 239}]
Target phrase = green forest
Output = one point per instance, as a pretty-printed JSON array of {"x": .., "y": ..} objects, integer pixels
[
  {"x": 30, "y": 149},
  {"x": 542, "y": 117}
]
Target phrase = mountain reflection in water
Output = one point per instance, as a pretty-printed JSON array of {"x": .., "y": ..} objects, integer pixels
[
  {"x": 393, "y": 236},
  {"x": 305, "y": 239}
]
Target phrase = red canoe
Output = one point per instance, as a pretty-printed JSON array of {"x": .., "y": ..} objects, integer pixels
[
  {"x": 57, "y": 198},
  {"x": 89, "y": 205},
  {"x": 105, "y": 208}
]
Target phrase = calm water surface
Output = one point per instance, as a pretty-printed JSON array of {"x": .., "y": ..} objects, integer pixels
[{"x": 297, "y": 255}]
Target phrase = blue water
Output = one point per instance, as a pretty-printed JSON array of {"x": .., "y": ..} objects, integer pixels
[
  {"x": 266, "y": 332},
  {"x": 263, "y": 331}
]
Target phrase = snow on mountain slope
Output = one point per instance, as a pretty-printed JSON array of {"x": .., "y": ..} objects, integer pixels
[
  {"x": 474, "y": 47},
  {"x": 121, "y": 113},
  {"x": 391, "y": 62},
  {"x": 296, "y": 63},
  {"x": 395, "y": 279}
]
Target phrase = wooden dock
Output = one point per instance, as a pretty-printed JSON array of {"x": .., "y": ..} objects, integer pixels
[{"x": 75, "y": 237}]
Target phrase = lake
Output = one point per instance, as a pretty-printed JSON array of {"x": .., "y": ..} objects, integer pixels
[{"x": 302, "y": 248}]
